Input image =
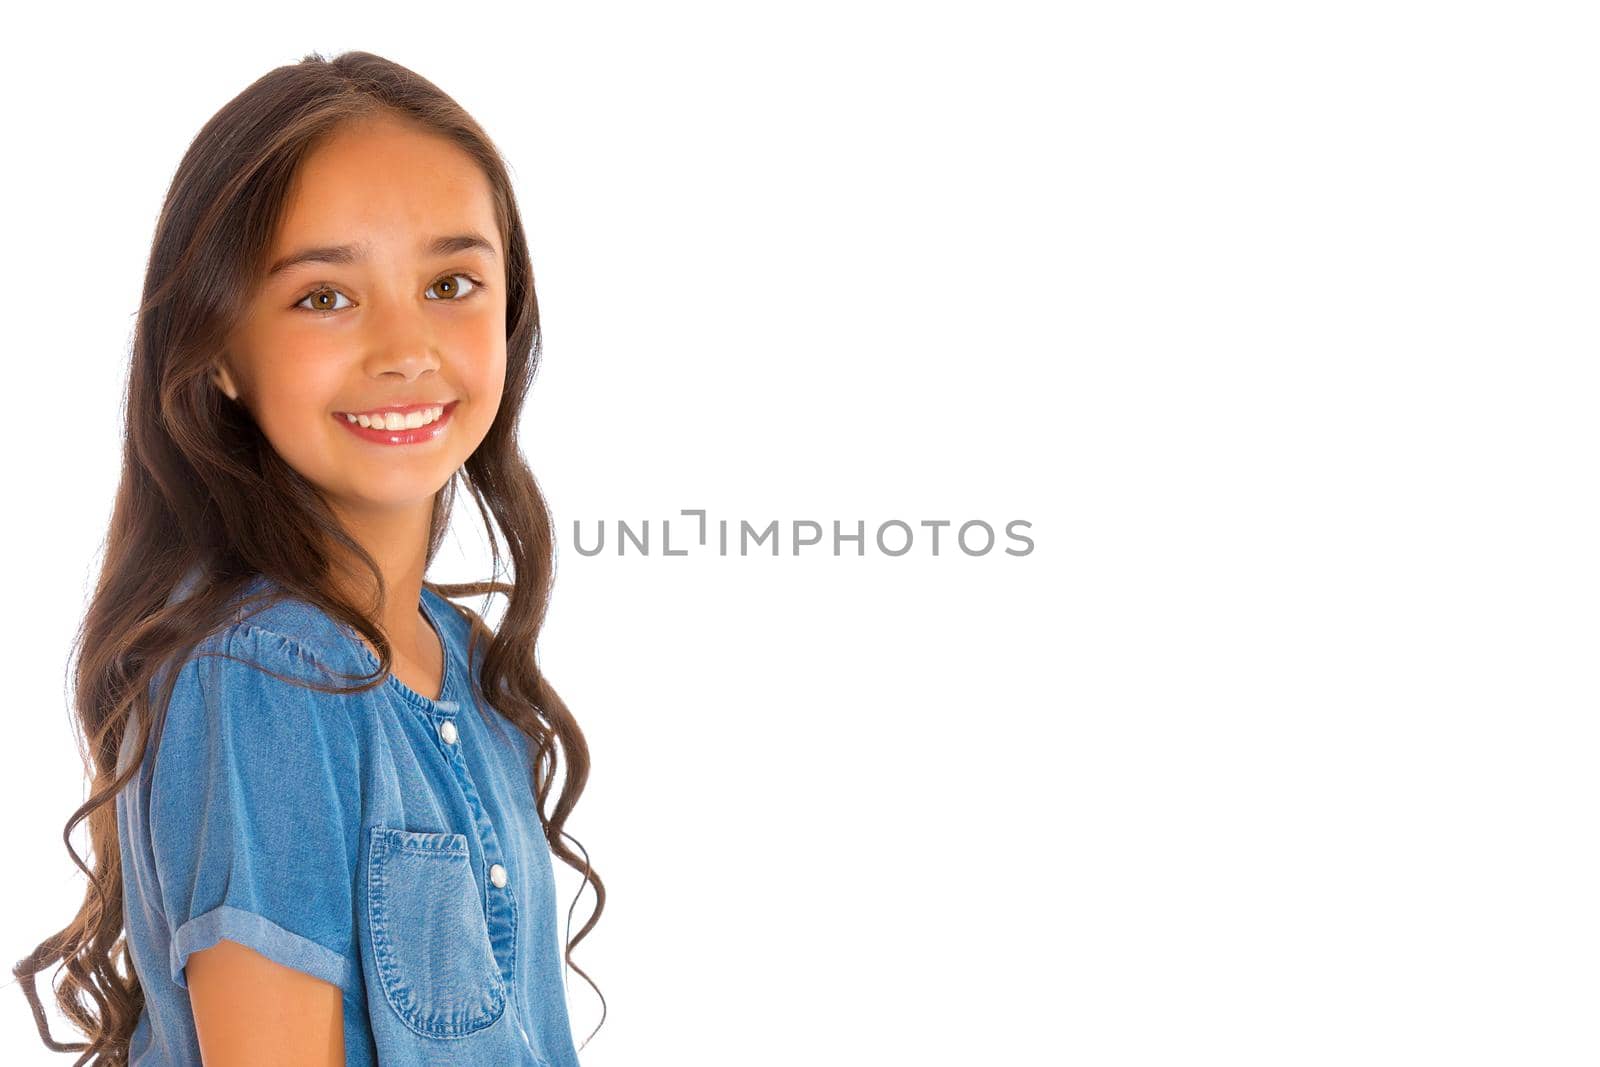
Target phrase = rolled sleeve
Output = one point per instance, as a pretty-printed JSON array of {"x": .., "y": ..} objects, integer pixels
[
  {"x": 263, "y": 935},
  {"x": 255, "y": 809}
]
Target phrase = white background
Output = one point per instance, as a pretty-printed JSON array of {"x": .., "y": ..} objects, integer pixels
[{"x": 1276, "y": 322}]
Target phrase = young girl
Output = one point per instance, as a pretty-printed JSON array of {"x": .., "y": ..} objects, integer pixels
[{"x": 320, "y": 787}]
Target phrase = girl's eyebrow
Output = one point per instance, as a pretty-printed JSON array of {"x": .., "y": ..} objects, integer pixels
[{"x": 355, "y": 253}]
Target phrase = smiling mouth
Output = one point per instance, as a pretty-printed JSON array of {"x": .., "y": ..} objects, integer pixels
[
  {"x": 400, "y": 424},
  {"x": 397, "y": 416}
]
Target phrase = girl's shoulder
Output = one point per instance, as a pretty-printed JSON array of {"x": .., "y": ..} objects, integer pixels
[
  {"x": 292, "y": 635},
  {"x": 300, "y": 628},
  {"x": 264, "y": 614},
  {"x": 268, "y": 640},
  {"x": 270, "y": 672}
]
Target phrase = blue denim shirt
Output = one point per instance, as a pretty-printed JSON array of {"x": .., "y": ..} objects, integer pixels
[{"x": 384, "y": 842}]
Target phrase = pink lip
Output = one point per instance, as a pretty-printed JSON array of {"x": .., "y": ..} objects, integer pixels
[
  {"x": 399, "y": 437},
  {"x": 401, "y": 408}
]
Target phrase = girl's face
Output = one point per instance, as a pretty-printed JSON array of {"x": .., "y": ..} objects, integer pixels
[{"x": 387, "y": 287}]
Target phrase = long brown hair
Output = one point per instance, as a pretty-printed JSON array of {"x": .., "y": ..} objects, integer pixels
[{"x": 202, "y": 488}]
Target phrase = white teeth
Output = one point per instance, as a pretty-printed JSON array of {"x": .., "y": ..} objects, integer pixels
[{"x": 393, "y": 420}]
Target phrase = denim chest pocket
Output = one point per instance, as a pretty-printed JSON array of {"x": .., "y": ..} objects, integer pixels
[{"x": 430, "y": 939}]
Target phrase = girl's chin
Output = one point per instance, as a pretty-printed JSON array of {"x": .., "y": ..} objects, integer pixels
[{"x": 395, "y": 498}]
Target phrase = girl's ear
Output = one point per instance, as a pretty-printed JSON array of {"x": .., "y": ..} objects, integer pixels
[{"x": 224, "y": 382}]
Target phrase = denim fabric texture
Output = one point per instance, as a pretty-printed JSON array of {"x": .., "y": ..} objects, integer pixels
[{"x": 383, "y": 841}]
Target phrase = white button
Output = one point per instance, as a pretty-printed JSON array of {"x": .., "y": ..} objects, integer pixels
[
  {"x": 447, "y": 730},
  {"x": 497, "y": 875}
]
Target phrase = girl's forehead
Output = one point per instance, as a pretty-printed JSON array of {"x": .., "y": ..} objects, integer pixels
[
  {"x": 386, "y": 178},
  {"x": 401, "y": 191}
]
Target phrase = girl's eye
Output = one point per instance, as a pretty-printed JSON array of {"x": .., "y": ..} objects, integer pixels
[
  {"x": 455, "y": 289},
  {"x": 324, "y": 298}
]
